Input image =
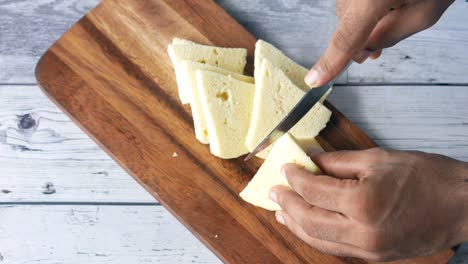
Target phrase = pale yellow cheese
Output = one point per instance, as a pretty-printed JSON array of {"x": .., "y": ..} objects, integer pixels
[
  {"x": 176, "y": 41},
  {"x": 275, "y": 96},
  {"x": 188, "y": 69},
  {"x": 227, "y": 105},
  {"x": 294, "y": 71},
  {"x": 285, "y": 150},
  {"x": 233, "y": 59}
]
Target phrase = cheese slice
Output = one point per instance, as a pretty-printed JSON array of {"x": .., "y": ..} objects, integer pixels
[
  {"x": 227, "y": 105},
  {"x": 176, "y": 41},
  {"x": 233, "y": 59},
  {"x": 188, "y": 69},
  {"x": 294, "y": 71},
  {"x": 275, "y": 96},
  {"x": 285, "y": 150}
]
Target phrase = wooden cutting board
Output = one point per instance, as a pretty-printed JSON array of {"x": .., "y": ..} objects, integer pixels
[{"x": 111, "y": 74}]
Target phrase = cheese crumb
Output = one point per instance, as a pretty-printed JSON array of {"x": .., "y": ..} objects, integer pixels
[{"x": 175, "y": 155}]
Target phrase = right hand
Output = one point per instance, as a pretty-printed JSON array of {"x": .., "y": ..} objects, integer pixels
[
  {"x": 366, "y": 27},
  {"x": 377, "y": 204}
]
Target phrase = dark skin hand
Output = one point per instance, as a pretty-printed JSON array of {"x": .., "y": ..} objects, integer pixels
[
  {"x": 377, "y": 204},
  {"x": 365, "y": 27}
]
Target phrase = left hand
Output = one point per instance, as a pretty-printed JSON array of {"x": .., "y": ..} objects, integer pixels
[{"x": 377, "y": 204}]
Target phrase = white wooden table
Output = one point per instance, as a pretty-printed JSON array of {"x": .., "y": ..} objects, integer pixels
[{"x": 63, "y": 200}]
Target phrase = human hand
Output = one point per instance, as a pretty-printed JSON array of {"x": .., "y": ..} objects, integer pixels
[
  {"x": 377, "y": 204},
  {"x": 365, "y": 27}
]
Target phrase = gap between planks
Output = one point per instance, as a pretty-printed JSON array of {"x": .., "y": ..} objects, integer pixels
[
  {"x": 82, "y": 203},
  {"x": 336, "y": 84}
]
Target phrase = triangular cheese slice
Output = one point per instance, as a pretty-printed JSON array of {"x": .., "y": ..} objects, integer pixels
[
  {"x": 227, "y": 105},
  {"x": 294, "y": 71},
  {"x": 189, "y": 68},
  {"x": 285, "y": 150},
  {"x": 275, "y": 96},
  {"x": 233, "y": 59}
]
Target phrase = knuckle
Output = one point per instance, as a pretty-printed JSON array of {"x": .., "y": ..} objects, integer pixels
[
  {"x": 341, "y": 41},
  {"x": 377, "y": 155},
  {"x": 428, "y": 21},
  {"x": 375, "y": 243},
  {"x": 339, "y": 156},
  {"x": 315, "y": 230},
  {"x": 317, "y": 197},
  {"x": 281, "y": 198},
  {"x": 377, "y": 151},
  {"x": 365, "y": 206},
  {"x": 307, "y": 191},
  {"x": 381, "y": 257},
  {"x": 326, "y": 64}
]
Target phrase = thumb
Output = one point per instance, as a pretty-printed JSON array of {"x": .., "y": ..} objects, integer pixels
[{"x": 352, "y": 33}]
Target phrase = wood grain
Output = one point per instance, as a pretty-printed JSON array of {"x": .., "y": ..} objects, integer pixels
[
  {"x": 434, "y": 56},
  {"x": 77, "y": 234},
  {"x": 303, "y": 28},
  {"x": 53, "y": 149},
  {"x": 39, "y": 144},
  {"x": 426, "y": 118},
  {"x": 28, "y": 28},
  {"x": 112, "y": 75}
]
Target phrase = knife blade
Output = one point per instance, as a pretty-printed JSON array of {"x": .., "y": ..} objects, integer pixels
[{"x": 295, "y": 115}]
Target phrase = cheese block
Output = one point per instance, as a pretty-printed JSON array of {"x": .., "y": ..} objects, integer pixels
[
  {"x": 275, "y": 96},
  {"x": 189, "y": 68},
  {"x": 285, "y": 150},
  {"x": 233, "y": 59},
  {"x": 294, "y": 71},
  {"x": 227, "y": 106}
]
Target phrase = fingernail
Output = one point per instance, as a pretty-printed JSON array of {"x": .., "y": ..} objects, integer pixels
[
  {"x": 312, "y": 78},
  {"x": 279, "y": 217},
  {"x": 272, "y": 196}
]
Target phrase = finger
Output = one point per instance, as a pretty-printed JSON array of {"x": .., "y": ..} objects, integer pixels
[
  {"x": 343, "y": 164},
  {"x": 316, "y": 222},
  {"x": 363, "y": 55},
  {"x": 328, "y": 247},
  {"x": 404, "y": 22},
  {"x": 318, "y": 190},
  {"x": 341, "y": 6},
  {"x": 376, "y": 55},
  {"x": 350, "y": 36}
]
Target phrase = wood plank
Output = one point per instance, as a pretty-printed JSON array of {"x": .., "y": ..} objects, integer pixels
[
  {"x": 28, "y": 28},
  {"x": 97, "y": 234},
  {"x": 39, "y": 144},
  {"x": 436, "y": 55},
  {"x": 112, "y": 75},
  {"x": 426, "y": 118},
  {"x": 394, "y": 116},
  {"x": 303, "y": 28}
]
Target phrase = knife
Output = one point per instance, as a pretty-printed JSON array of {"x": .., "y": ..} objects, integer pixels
[{"x": 295, "y": 115}]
